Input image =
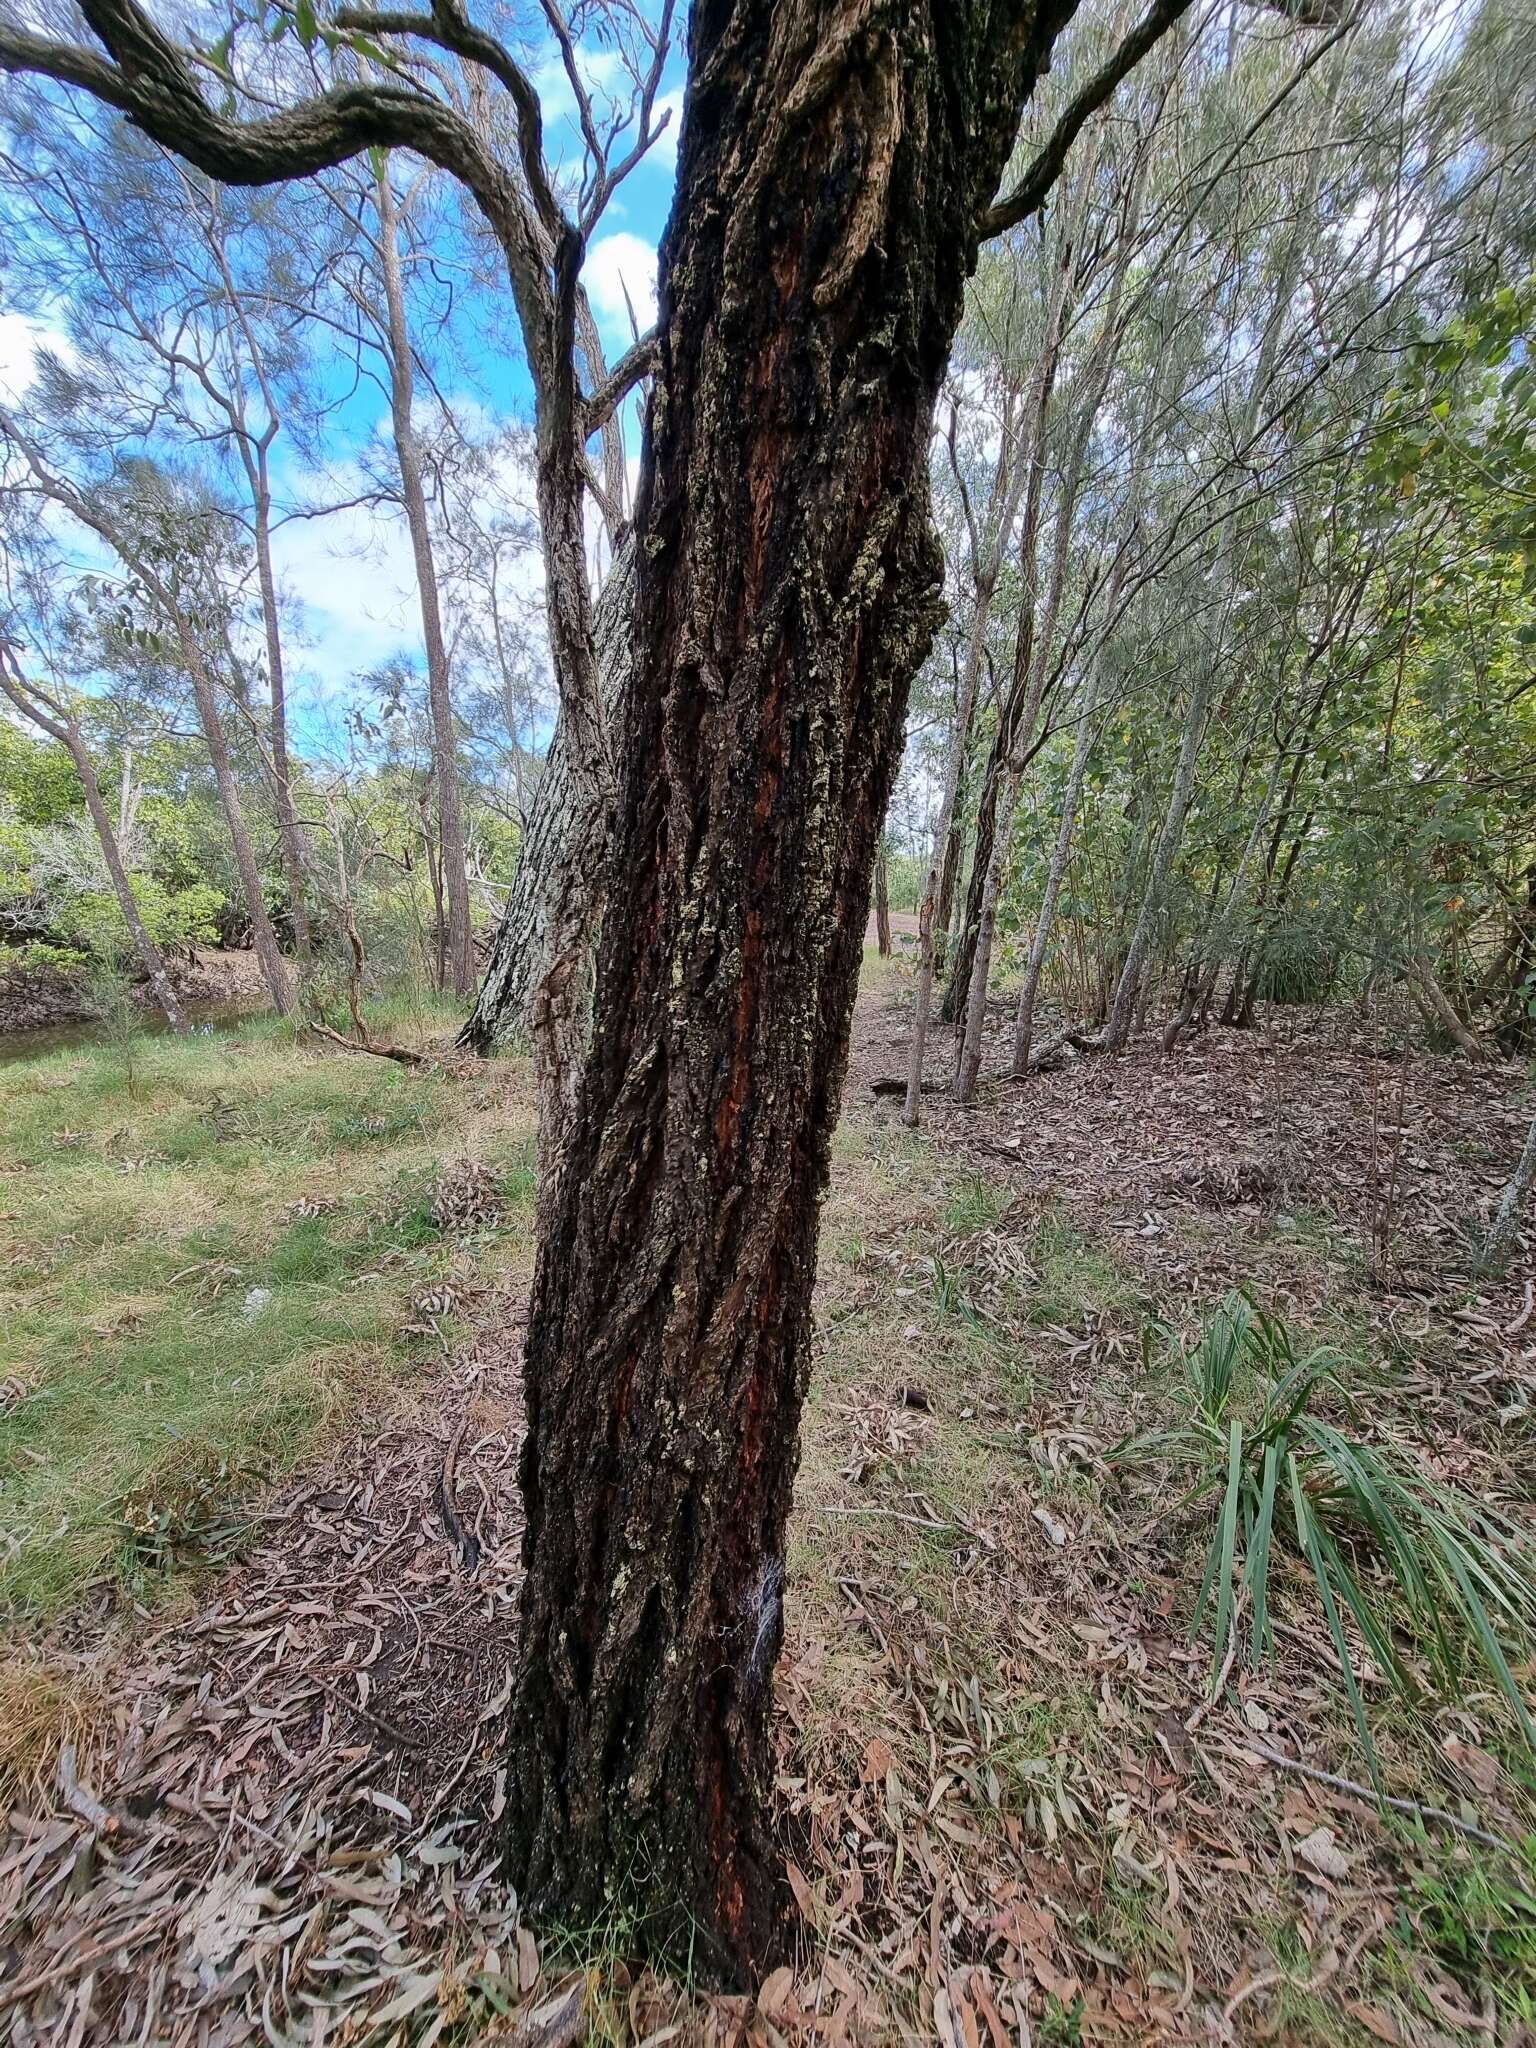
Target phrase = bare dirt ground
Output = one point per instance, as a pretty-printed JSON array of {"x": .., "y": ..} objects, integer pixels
[{"x": 1013, "y": 1810}]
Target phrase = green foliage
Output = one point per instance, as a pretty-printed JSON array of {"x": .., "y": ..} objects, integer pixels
[
  {"x": 92, "y": 922},
  {"x": 45, "y": 954},
  {"x": 1477, "y": 1917},
  {"x": 1388, "y": 1544},
  {"x": 38, "y": 783}
]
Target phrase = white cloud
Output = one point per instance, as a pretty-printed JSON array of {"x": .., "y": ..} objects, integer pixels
[
  {"x": 665, "y": 146},
  {"x": 602, "y": 72},
  {"x": 617, "y": 264},
  {"x": 353, "y": 574}
]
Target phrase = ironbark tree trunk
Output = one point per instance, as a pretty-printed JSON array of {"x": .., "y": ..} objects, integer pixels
[
  {"x": 834, "y": 162},
  {"x": 562, "y": 866}
]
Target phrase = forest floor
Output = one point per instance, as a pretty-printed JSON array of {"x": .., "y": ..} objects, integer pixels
[{"x": 249, "y": 1734}]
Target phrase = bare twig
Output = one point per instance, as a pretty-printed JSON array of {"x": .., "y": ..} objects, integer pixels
[{"x": 1437, "y": 1815}]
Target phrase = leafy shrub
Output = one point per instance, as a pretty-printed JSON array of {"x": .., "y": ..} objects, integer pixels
[{"x": 92, "y": 922}]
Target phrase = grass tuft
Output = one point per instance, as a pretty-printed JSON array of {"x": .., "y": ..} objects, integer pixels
[{"x": 1388, "y": 1544}]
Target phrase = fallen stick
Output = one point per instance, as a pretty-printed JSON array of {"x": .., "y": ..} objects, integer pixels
[
  {"x": 399, "y": 1053},
  {"x": 72, "y": 1965},
  {"x": 466, "y": 1543},
  {"x": 1356, "y": 1790}
]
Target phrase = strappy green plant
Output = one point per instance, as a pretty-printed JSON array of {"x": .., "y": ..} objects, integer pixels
[{"x": 1431, "y": 1577}]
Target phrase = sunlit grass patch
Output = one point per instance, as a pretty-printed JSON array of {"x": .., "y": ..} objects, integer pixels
[{"x": 210, "y": 1270}]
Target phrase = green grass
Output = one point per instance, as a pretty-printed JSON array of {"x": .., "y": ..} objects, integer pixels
[
  {"x": 975, "y": 1203},
  {"x": 1077, "y": 1277},
  {"x": 212, "y": 1247},
  {"x": 1475, "y": 1914}
]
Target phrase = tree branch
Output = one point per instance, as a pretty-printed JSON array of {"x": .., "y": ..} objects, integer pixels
[
  {"x": 151, "y": 81},
  {"x": 636, "y": 363},
  {"x": 1034, "y": 188},
  {"x": 449, "y": 28}
]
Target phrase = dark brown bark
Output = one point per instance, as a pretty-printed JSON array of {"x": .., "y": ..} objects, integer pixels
[{"x": 833, "y": 161}]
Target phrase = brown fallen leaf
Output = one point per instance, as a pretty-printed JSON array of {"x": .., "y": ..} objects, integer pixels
[
  {"x": 1375, "y": 2021},
  {"x": 878, "y": 1759},
  {"x": 1476, "y": 1764}
]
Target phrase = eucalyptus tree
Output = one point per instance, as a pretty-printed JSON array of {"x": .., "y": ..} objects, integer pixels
[
  {"x": 188, "y": 314},
  {"x": 383, "y": 250},
  {"x": 51, "y": 710},
  {"x": 172, "y": 546},
  {"x": 1004, "y": 376},
  {"x": 1258, "y": 406},
  {"x": 488, "y": 551},
  {"x": 1069, "y": 418},
  {"x": 837, "y": 170},
  {"x": 1276, "y": 296}
]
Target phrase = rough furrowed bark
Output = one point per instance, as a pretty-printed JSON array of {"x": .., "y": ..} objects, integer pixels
[
  {"x": 558, "y": 885},
  {"x": 788, "y": 587}
]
